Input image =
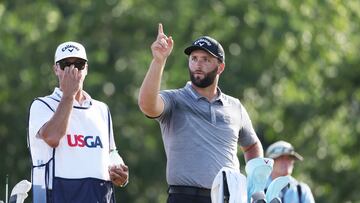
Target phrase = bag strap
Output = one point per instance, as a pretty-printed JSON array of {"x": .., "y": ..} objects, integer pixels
[
  {"x": 109, "y": 126},
  {"x": 48, "y": 105},
  {"x": 299, "y": 192}
]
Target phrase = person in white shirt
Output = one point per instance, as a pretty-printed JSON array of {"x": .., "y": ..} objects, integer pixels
[{"x": 71, "y": 138}]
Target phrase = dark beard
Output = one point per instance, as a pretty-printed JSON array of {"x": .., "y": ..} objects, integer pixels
[{"x": 206, "y": 81}]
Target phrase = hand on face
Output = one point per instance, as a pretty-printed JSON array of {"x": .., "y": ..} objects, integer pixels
[
  {"x": 70, "y": 80},
  {"x": 162, "y": 46},
  {"x": 119, "y": 174}
]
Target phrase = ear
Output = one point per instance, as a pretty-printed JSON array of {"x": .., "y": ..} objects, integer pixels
[
  {"x": 85, "y": 71},
  {"x": 56, "y": 69},
  {"x": 221, "y": 68}
]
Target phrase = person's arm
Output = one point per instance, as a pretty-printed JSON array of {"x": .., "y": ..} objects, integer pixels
[
  {"x": 150, "y": 101},
  {"x": 253, "y": 151},
  {"x": 53, "y": 130},
  {"x": 253, "y": 148},
  {"x": 118, "y": 170}
]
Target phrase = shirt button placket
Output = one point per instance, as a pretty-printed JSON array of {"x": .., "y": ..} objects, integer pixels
[{"x": 213, "y": 115}]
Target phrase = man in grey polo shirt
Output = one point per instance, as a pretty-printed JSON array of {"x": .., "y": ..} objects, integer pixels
[{"x": 201, "y": 126}]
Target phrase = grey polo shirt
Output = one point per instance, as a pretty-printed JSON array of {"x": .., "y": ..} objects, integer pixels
[{"x": 201, "y": 137}]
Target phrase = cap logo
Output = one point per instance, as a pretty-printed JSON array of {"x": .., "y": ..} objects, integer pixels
[
  {"x": 70, "y": 48},
  {"x": 202, "y": 41}
]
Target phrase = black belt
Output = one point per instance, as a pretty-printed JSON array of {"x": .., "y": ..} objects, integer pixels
[{"x": 189, "y": 190}]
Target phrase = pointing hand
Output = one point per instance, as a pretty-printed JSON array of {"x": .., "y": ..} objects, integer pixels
[{"x": 162, "y": 46}]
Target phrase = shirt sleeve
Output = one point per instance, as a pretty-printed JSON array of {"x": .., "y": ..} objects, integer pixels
[
  {"x": 167, "y": 97},
  {"x": 111, "y": 133},
  {"x": 247, "y": 134},
  {"x": 39, "y": 114}
]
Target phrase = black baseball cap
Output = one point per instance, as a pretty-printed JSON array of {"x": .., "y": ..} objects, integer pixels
[{"x": 209, "y": 45}]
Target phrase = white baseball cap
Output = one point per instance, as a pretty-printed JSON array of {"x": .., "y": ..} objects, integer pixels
[
  {"x": 70, "y": 49},
  {"x": 280, "y": 148}
]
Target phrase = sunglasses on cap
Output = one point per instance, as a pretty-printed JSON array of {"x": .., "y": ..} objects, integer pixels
[{"x": 79, "y": 64}]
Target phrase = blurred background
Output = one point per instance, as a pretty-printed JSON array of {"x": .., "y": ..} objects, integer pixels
[{"x": 293, "y": 64}]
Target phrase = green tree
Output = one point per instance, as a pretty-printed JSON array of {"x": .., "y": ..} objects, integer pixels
[{"x": 293, "y": 64}]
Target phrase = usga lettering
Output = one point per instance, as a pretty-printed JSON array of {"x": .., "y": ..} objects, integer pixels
[{"x": 82, "y": 141}]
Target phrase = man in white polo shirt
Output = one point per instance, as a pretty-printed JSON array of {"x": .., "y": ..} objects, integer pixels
[{"x": 71, "y": 138}]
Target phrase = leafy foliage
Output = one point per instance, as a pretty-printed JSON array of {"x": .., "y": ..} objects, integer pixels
[{"x": 293, "y": 64}]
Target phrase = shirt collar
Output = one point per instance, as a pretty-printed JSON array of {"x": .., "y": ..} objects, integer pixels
[
  {"x": 219, "y": 98},
  {"x": 57, "y": 94}
]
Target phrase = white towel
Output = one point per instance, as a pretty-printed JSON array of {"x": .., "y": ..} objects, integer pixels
[
  {"x": 236, "y": 184},
  {"x": 20, "y": 190}
]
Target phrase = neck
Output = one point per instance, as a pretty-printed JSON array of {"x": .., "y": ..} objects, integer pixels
[
  {"x": 275, "y": 175},
  {"x": 209, "y": 92},
  {"x": 80, "y": 97}
]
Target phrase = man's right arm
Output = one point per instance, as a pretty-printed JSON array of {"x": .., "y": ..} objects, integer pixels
[
  {"x": 150, "y": 101},
  {"x": 53, "y": 130}
]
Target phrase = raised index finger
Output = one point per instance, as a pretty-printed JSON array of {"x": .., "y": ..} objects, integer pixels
[{"x": 160, "y": 29}]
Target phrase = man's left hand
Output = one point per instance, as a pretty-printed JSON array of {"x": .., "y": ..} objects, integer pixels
[{"x": 119, "y": 175}]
